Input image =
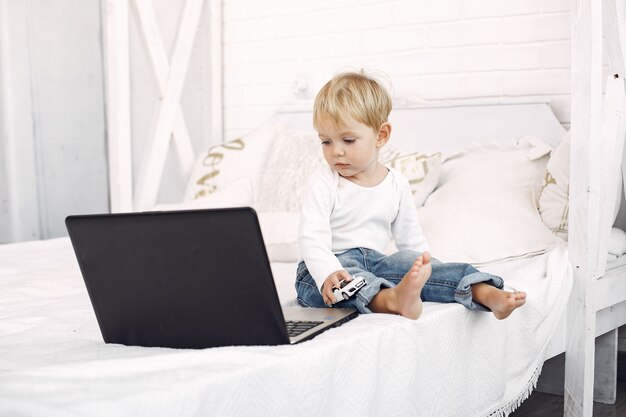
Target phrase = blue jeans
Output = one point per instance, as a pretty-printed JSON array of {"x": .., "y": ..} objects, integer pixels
[{"x": 448, "y": 282}]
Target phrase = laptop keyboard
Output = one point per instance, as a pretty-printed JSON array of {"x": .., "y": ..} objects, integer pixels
[{"x": 294, "y": 327}]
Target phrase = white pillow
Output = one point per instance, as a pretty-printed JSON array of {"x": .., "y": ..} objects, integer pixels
[
  {"x": 236, "y": 194},
  {"x": 222, "y": 164},
  {"x": 280, "y": 234},
  {"x": 484, "y": 209},
  {"x": 553, "y": 202}
]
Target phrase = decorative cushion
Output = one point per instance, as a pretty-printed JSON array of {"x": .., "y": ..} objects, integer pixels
[
  {"x": 296, "y": 154},
  {"x": 553, "y": 201},
  {"x": 222, "y": 164},
  {"x": 422, "y": 171},
  {"x": 484, "y": 208}
]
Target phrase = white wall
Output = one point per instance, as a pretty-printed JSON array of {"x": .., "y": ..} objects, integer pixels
[{"x": 433, "y": 49}]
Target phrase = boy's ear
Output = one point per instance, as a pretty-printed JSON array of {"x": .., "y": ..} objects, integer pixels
[{"x": 383, "y": 134}]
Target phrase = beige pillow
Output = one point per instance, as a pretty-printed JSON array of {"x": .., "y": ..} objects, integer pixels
[
  {"x": 484, "y": 208},
  {"x": 225, "y": 163},
  {"x": 422, "y": 171},
  {"x": 553, "y": 201}
]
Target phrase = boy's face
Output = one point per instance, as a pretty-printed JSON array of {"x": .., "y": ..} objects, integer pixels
[{"x": 352, "y": 149}]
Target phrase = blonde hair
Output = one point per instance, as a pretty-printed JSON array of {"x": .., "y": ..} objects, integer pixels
[{"x": 352, "y": 94}]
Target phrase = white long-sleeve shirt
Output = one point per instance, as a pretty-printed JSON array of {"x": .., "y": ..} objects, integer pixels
[{"x": 338, "y": 215}]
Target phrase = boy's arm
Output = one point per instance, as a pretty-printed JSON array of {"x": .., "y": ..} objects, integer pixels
[
  {"x": 314, "y": 235},
  {"x": 406, "y": 228}
]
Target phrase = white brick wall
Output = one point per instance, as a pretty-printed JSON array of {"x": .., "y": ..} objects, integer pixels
[{"x": 433, "y": 49}]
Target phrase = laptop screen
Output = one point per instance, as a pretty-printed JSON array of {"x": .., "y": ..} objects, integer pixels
[{"x": 187, "y": 279}]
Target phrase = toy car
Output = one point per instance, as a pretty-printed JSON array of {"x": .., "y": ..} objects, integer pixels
[{"x": 348, "y": 289}]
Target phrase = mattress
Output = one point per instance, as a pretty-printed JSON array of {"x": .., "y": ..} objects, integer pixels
[{"x": 450, "y": 362}]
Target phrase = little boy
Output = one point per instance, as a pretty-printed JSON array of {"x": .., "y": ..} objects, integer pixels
[{"x": 352, "y": 207}]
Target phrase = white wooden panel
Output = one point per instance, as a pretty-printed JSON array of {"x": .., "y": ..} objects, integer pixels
[
  {"x": 610, "y": 318},
  {"x": 18, "y": 134},
  {"x": 151, "y": 95},
  {"x": 160, "y": 64},
  {"x": 53, "y": 114},
  {"x": 68, "y": 110},
  {"x": 151, "y": 171},
  {"x": 607, "y": 319},
  {"x": 6, "y": 228}
]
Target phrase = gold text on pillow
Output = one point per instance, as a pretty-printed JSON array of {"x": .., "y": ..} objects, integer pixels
[{"x": 212, "y": 160}]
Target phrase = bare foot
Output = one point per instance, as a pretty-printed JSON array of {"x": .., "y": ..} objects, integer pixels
[
  {"x": 503, "y": 303},
  {"x": 404, "y": 299}
]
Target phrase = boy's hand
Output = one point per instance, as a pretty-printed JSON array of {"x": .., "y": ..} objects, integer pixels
[{"x": 333, "y": 282}]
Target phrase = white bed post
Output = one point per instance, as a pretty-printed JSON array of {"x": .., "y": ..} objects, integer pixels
[
  {"x": 217, "y": 86},
  {"x": 598, "y": 132},
  {"x": 116, "y": 48},
  {"x": 613, "y": 134},
  {"x": 586, "y": 86}
]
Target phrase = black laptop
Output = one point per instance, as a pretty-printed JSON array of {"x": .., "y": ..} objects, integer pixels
[{"x": 187, "y": 279}]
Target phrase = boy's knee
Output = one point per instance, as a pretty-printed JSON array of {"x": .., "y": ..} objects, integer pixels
[{"x": 307, "y": 291}]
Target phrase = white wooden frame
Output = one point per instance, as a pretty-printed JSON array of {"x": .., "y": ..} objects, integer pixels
[
  {"x": 118, "y": 105},
  {"x": 170, "y": 77},
  {"x": 597, "y": 144},
  {"x": 7, "y": 233}
]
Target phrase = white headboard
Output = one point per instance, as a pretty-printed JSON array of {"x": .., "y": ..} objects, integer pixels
[{"x": 450, "y": 127}]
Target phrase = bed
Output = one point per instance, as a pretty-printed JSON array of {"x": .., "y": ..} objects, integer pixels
[
  {"x": 450, "y": 362},
  {"x": 597, "y": 303}
]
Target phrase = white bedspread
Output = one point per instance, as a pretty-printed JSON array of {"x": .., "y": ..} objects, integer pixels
[{"x": 450, "y": 362}]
